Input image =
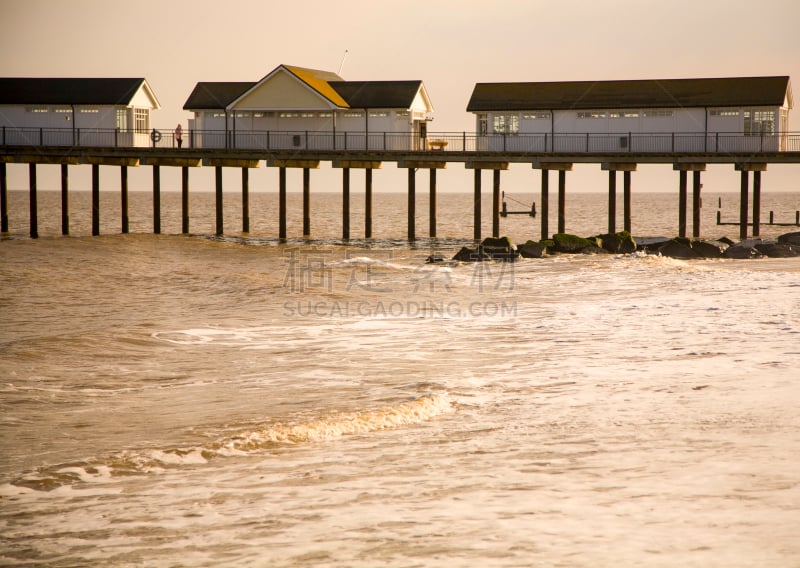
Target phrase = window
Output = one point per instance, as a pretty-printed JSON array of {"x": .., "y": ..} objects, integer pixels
[
  {"x": 721, "y": 112},
  {"x": 624, "y": 114},
  {"x": 326, "y": 115},
  {"x": 536, "y": 115},
  {"x": 378, "y": 114},
  {"x": 122, "y": 119},
  {"x": 90, "y": 110},
  {"x": 215, "y": 115},
  {"x": 592, "y": 114},
  {"x": 657, "y": 113},
  {"x": 242, "y": 114},
  {"x": 289, "y": 115},
  {"x": 401, "y": 114},
  {"x": 505, "y": 124},
  {"x": 141, "y": 119},
  {"x": 353, "y": 115},
  {"x": 36, "y": 109},
  {"x": 307, "y": 115},
  {"x": 759, "y": 122},
  {"x": 63, "y": 110}
]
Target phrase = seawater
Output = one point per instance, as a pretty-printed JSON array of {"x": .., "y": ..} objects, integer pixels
[{"x": 173, "y": 400}]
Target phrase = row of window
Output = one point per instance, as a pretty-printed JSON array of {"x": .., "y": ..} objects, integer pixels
[{"x": 323, "y": 114}]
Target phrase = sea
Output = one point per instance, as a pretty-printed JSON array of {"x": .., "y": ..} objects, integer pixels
[{"x": 201, "y": 400}]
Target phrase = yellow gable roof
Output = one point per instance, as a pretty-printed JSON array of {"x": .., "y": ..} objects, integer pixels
[{"x": 318, "y": 80}]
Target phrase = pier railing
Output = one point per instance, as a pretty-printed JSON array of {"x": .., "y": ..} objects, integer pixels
[{"x": 444, "y": 142}]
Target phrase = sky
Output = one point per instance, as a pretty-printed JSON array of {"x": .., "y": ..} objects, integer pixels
[{"x": 449, "y": 45}]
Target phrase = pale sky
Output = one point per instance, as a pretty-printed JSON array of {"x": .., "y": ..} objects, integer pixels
[{"x": 449, "y": 45}]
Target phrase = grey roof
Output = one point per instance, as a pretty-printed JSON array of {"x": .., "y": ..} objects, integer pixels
[
  {"x": 67, "y": 91},
  {"x": 215, "y": 96},
  {"x": 648, "y": 93},
  {"x": 377, "y": 94}
]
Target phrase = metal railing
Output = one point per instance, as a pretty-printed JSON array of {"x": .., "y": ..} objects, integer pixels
[{"x": 444, "y": 142}]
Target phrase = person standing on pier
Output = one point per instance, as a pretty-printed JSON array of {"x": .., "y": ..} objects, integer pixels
[{"x": 179, "y": 134}]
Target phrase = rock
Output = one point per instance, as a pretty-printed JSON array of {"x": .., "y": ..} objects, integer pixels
[
  {"x": 790, "y": 239},
  {"x": 501, "y": 248},
  {"x": 532, "y": 249},
  {"x": 434, "y": 258},
  {"x": 650, "y": 244},
  {"x": 778, "y": 250},
  {"x": 618, "y": 243},
  {"x": 470, "y": 255},
  {"x": 741, "y": 251},
  {"x": 594, "y": 249},
  {"x": 709, "y": 249},
  {"x": 677, "y": 248},
  {"x": 564, "y": 242},
  {"x": 726, "y": 240}
]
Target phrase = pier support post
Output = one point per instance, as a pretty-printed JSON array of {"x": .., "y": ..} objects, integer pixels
[
  {"x": 756, "y": 203},
  {"x": 432, "y": 205},
  {"x": 346, "y": 204},
  {"x": 682, "y": 198},
  {"x": 476, "y": 207},
  {"x": 123, "y": 199},
  {"x": 245, "y": 200},
  {"x": 218, "y": 199},
  {"x": 562, "y": 201},
  {"x": 3, "y": 198},
  {"x": 34, "y": 207},
  {"x": 185, "y": 200},
  {"x": 95, "y": 199},
  {"x": 626, "y": 201},
  {"x": 612, "y": 201},
  {"x": 282, "y": 203},
  {"x": 544, "y": 209},
  {"x": 156, "y": 199},
  {"x": 65, "y": 199},
  {"x": 496, "y": 203},
  {"x": 743, "y": 205},
  {"x": 697, "y": 201},
  {"x": 306, "y": 202},
  {"x": 368, "y": 203},
  {"x": 412, "y": 199}
]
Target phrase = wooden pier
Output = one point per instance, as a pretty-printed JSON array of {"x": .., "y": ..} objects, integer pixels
[{"x": 432, "y": 160}]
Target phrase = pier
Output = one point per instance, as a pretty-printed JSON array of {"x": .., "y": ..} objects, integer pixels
[{"x": 461, "y": 150}]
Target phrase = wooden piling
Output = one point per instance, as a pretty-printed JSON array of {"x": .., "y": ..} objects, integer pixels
[
  {"x": 95, "y": 199},
  {"x": 3, "y": 198},
  {"x": 156, "y": 199},
  {"x": 612, "y": 201},
  {"x": 682, "y": 198},
  {"x": 412, "y": 200},
  {"x": 743, "y": 197},
  {"x": 306, "y": 202},
  {"x": 562, "y": 201},
  {"x": 626, "y": 201},
  {"x": 544, "y": 209},
  {"x": 476, "y": 206},
  {"x": 220, "y": 224},
  {"x": 756, "y": 203},
  {"x": 185, "y": 200},
  {"x": 123, "y": 191},
  {"x": 432, "y": 205},
  {"x": 496, "y": 203},
  {"x": 368, "y": 203},
  {"x": 65, "y": 199},
  {"x": 282, "y": 203},
  {"x": 245, "y": 200},
  {"x": 346, "y": 203},
  {"x": 696, "y": 203},
  {"x": 34, "y": 208}
]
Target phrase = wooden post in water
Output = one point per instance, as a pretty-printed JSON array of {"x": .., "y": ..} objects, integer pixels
[
  {"x": 743, "y": 197},
  {"x": 245, "y": 200},
  {"x": 432, "y": 204},
  {"x": 306, "y": 202},
  {"x": 282, "y": 203},
  {"x": 185, "y": 200},
  {"x": 612, "y": 201},
  {"x": 95, "y": 199},
  {"x": 696, "y": 203},
  {"x": 368, "y": 203},
  {"x": 626, "y": 201},
  {"x": 346, "y": 203},
  {"x": 476, "y": 206},
  {"x": 682, "y": 197},
  {"x": 3, "y": 198},
  {"x": 412, "y": 200},
  {"x": 562, "y": 201},
  {"x": 123, "y": 191},
  {"x": 496, "y": 203},
  {"x": 65, "y": 199},
  {"x": 220, "y": 224},
  {"x": 156, "y": 199},
  {"x": 544, "y": 209},
  {"x": 756, "y": 203},
  {"x": 34, "y": 208}
]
